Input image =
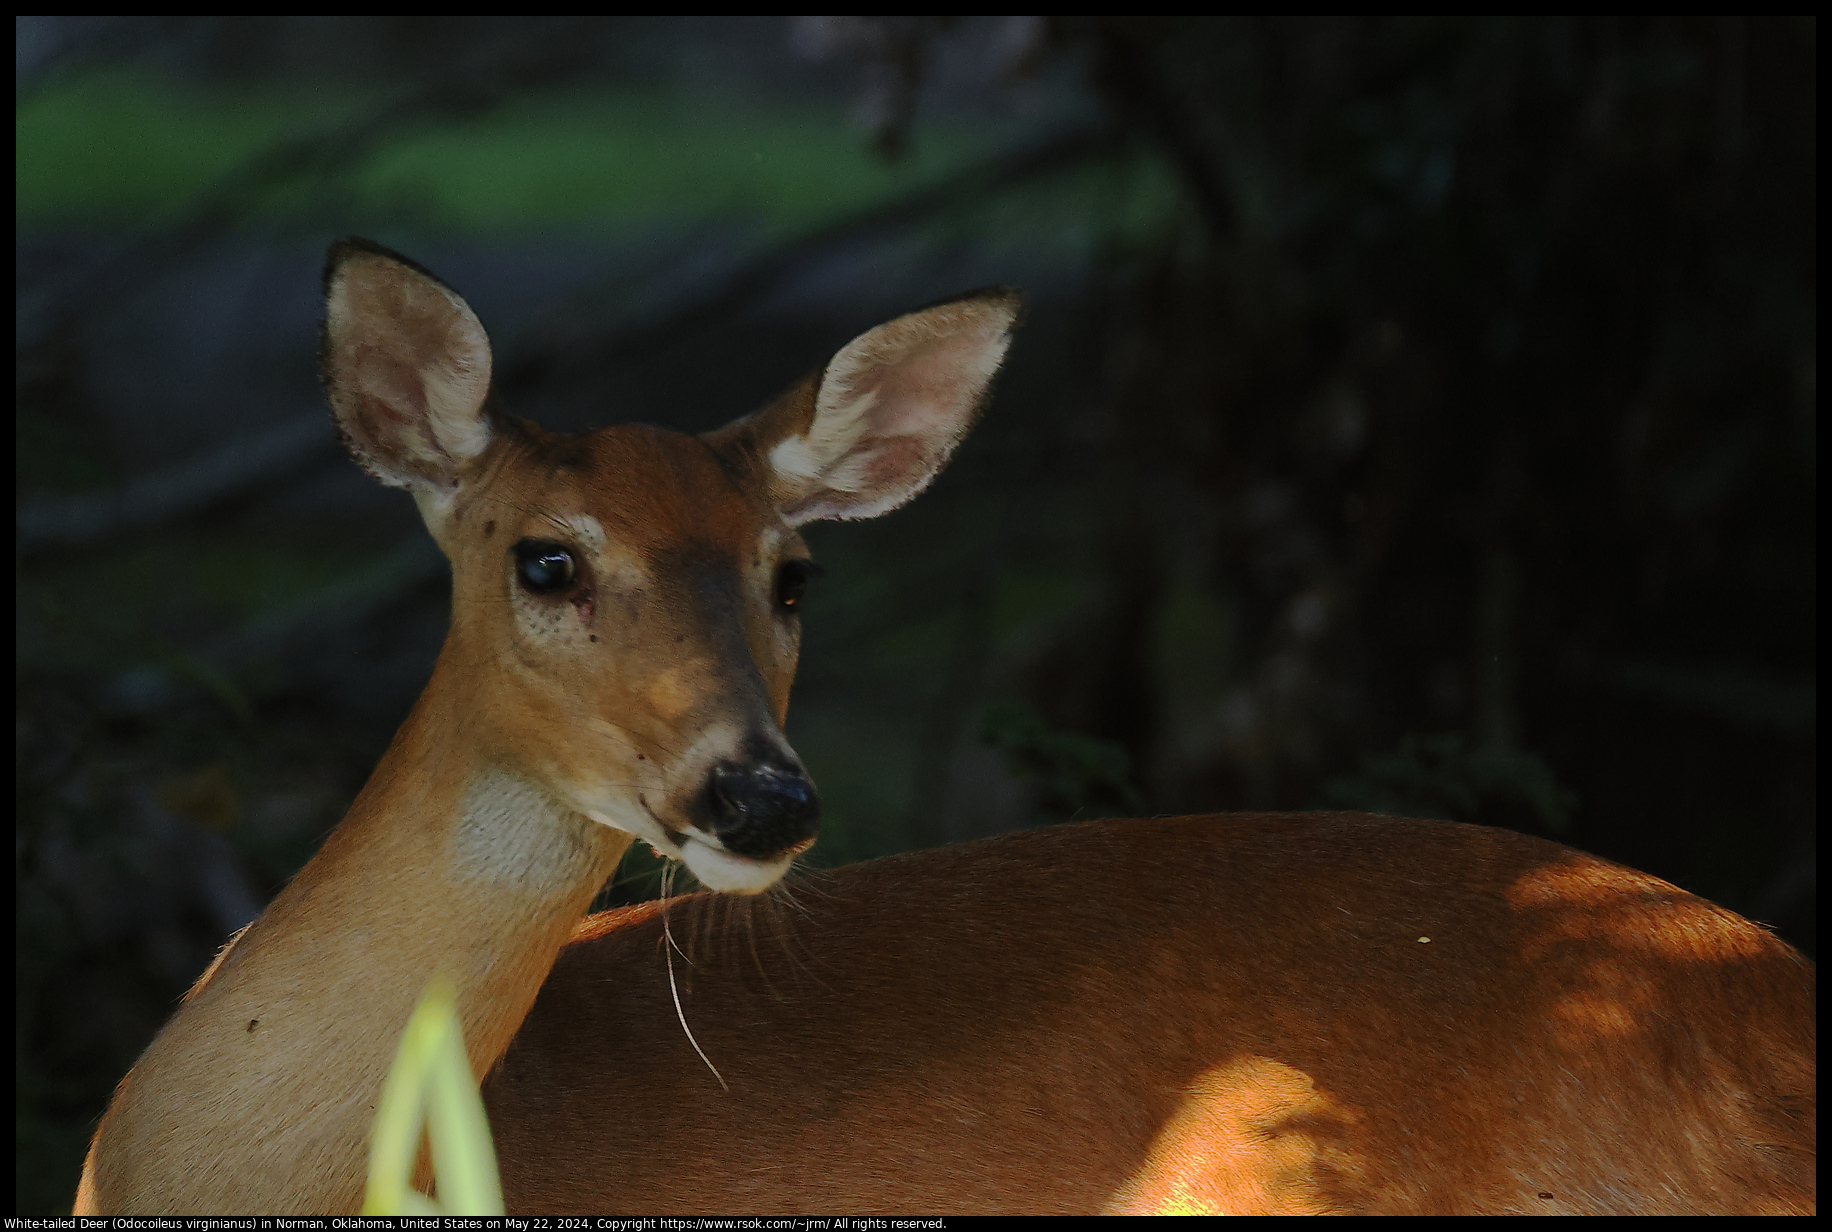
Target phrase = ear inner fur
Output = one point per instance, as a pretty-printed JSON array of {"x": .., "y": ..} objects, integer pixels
[
  {"x": 885, "y": 414},
  {"x": 408, "y": 399}
]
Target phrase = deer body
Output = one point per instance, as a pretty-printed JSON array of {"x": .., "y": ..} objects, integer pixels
[
  {"x": 1225, "y": 1014},
  {"x": 1236, "y": 1014}
]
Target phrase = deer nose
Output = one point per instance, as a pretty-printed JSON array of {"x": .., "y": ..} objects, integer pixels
[{"x": 762, "y": 808}]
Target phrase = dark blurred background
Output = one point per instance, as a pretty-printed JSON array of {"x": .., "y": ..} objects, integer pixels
[{"x": 1414, "y": 415}]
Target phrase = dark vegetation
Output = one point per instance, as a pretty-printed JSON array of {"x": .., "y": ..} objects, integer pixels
[{"x": 1414, "y": 415}]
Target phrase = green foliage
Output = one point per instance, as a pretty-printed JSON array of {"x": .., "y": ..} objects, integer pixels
[
  {"x": 1442, "y": 776},
  {"x": 128, "y": 146},
  {"x": 430, "y": 1086},
  {"x": 113, "y": 145},
  {"x": 1074, "y": 775}
]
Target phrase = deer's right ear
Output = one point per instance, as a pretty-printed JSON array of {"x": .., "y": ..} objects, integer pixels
[
  {"x": 407, "y": 367},
  {"x": 876, "y": 425}
]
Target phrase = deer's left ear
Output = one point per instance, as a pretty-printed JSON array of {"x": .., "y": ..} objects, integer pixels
[{"x": 877, "y": 424}]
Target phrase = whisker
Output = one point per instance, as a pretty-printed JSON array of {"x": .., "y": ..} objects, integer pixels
[{"x": 673, "y": 988}]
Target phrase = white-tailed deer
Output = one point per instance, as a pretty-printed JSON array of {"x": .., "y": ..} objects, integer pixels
[{"x": 1229, "y": 1014}]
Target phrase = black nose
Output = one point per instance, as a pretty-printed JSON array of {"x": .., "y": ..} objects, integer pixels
[{"x": 760, "y": 808}]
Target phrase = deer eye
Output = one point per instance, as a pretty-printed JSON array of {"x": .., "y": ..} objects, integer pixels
[
  {"x": 544, "y": 568},
  {"x": 792, "y": 582}
]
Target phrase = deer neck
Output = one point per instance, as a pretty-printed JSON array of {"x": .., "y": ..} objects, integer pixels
[
  {"x": 447, "y": 864},
  {"x": 465, "y": 867}
]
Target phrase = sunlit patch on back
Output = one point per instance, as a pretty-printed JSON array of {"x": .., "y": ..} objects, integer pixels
[{"x": 1251, "y": 1137}]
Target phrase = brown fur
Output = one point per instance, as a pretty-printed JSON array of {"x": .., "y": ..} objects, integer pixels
[{"x": 1234, "y": 1014}]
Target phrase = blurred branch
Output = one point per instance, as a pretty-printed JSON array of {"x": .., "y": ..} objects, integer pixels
[
  {"x": 47, "y": 47},
  {"x": 891, "y": 52},
  {"x": 1129, "y": 75},
  {"x": 348, "y": 601},
  {"x": 187, "y": 488},
  {"x": 753, "y": 276}
]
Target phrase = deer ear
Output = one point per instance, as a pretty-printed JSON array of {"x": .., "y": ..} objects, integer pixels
[
  {"x": 879, "y": 422},
  {"x": 406, "y": 365}
]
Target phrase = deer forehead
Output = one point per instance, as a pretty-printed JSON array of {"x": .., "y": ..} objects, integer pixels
[{"x": 634, "y": 495}]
